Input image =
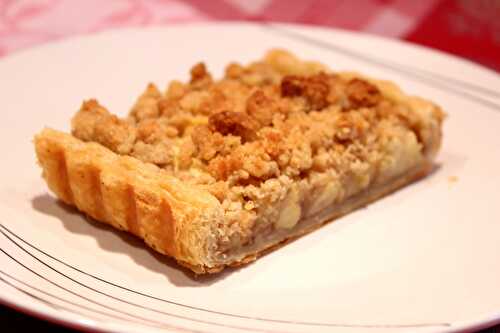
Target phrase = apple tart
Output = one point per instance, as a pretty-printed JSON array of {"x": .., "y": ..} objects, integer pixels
[{"x": 216, "y": 172}]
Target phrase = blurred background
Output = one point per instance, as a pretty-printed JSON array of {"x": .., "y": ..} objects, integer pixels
[{"x": 467, "y": 28}]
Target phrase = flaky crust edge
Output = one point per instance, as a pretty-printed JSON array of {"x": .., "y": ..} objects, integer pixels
[{"x": 171, "y": 217}]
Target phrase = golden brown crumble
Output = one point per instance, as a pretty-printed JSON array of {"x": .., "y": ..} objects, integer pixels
[
  {"x": 200, "y": 78},
  {"x": 198, "y": 72},
  {"x": 315, "y": 88},
  {"x": 234, "y": 123},
  {"x": 94, "y": 123},
  {"x": 362, "y": 94},
  {"x": 147, "y": 104},
  {"x": 249, "y": 136}
]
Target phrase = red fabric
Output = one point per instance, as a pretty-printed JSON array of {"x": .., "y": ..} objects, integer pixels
[{"x": 468, "y": 28}]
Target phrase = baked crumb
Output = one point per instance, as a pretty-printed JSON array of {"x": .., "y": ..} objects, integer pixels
[
  {"x": 234, "y": 123},
  {"x": 261, "y": 108},
  {"x": 315, "y": 89},
  {"x": 94, "y": 123},
  {"x": 362, "y": 94}
]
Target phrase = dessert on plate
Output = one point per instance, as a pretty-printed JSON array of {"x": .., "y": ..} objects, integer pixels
[{"x": 216, "y": 172}]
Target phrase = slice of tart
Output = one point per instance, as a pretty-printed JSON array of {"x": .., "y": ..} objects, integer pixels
[{"x": 214, "y": 173}]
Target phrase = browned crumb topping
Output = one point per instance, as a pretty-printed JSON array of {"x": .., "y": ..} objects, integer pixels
[
  {"x": 315, "y": 89},
  {"x": 247, "y": 136},
  {"x": 362, "y": 94},
  {"x": 234, "y": 123},
  {"x": 95, "y": 123}
]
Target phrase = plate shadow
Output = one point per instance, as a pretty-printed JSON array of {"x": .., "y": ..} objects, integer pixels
[{"x": 113, "y": 240}]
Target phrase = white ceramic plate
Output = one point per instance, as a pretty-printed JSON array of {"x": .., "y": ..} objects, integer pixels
[{"x": 425, "y": 258}]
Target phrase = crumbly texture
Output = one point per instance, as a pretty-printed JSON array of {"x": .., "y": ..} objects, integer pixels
[{"x": 274, "y": 141}]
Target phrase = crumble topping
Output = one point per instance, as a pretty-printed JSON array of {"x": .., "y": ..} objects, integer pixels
[
  {"x": 315, "y": 89},
  {"x": 277, "y": 130},
  {"x": 234, "y": 123},
  {"x": 362, "y": 94}
]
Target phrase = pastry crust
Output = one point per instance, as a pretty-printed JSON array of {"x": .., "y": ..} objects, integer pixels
[
  {"x": 182, "y": 207},
  {"x": 172, "y": 217}
]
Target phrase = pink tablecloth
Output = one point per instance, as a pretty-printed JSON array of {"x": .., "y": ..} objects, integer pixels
[{"x": 469, "y": 28}]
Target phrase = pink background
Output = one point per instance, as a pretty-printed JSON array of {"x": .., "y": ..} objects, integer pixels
[{"x": 469, "y": 28}]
